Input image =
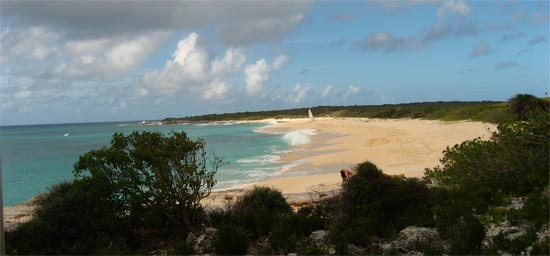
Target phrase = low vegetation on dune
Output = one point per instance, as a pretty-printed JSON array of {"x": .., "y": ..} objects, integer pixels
[
  {"x": 485, "y": 111},
  {"x": 139, "y": 197}
]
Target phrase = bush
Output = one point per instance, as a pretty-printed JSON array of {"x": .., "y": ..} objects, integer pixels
[
  {"x": 514, "y": 162},
  {"x": 522, "y": 105},
  {"x": 158, "y": 180},
  {"x": 231, "y": 240},
  {"x": 382, "y": 200},
  {"x": 259, "y": 208},
  {"x": 74, "y": 218},
  {"x": 465, "y": 236},
  {"x": 289, "y": 230}
]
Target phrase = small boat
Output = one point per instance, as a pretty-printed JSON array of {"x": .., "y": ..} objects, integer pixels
[
  {"x": 310, "y": 115},
  {"x": 66, "y": 134}
]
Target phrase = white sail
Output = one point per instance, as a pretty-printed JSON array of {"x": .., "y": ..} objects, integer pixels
[{"x": 310, "y": 115}]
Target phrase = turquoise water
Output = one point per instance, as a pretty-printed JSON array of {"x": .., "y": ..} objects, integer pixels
[{"x": 36, "y": 157}]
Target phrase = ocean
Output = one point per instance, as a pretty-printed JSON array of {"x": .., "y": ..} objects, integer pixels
[{"x": 35, "y": 157}]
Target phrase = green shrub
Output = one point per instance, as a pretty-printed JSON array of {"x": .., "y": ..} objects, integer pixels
[
  {"x": 259, "y": 208},
  {"x": 513, "y": 246},
  {"x": 231, "y": 240},
  {"x": 522, "y": 105},
  {"x": 74, "y": 218},
  {"x": 289, "y": 229},
  {"x": 158, "y": 180},
  {"x": 382, "y": 199},
  {"x": 514, "y": 162},
  {"x": 465, "y": 236}
]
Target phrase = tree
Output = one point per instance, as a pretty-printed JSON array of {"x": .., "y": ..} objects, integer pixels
[{"x": 158, "y": 181}]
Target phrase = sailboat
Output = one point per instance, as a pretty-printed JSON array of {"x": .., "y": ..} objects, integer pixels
[{"x": 310, "y": 115}]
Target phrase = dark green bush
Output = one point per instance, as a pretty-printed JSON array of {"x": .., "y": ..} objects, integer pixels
[
  {"x": 259, "y": 208},
  {"x": 513, "y": 246},
  {"x": 74, "y": 218},
  {"x": 382, "y": 199},
  {"x": 522, "y": 105},
  {"x": 465, "y": 236},
  {"x": 231, "y": 240},
  {"x": 514, "y": 162},
  {"x": 289, "y": 229}
]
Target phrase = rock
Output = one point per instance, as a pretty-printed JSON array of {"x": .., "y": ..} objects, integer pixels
[
  {"x": 354, "y": 250},
  {"x": 203, "y": 243},
  {"x": 319, "y": 237},
  {"x": 411, "y": 240},
  {"x": 516, "y": 203}
]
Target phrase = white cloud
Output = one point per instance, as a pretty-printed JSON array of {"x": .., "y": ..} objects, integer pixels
[
  {"x": 354, "y": 89},
  {"x": 327, "y": 91},
  {"x": 299, "y": 93},
  {"x": 232, "y": 61},
  {"x": 280, "y": 62},
  {"x": 255, "y": 76},
  {"x": 459, "y": 7},
  {"x": 217, "y": 91},
  {"x": 187, "y": 68}
]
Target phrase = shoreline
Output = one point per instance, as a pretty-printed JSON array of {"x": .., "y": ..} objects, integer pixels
[{"x": 397, "y": 146}]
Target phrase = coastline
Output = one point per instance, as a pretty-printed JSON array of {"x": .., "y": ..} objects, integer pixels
[{"x": 396, "y": 146}]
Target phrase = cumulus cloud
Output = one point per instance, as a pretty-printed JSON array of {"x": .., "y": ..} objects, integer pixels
[
  {"x": 506, "y": 64},
  {"x": 459, "y": 7},
  {"x": 233, "y": 60},
  {"x": 480, "y": 49},
  {"x": 280, "y": 62},
  {"x": 217, "y": 91},
  {"x": 108, "y": 57},
  {"x": 187, "y": 68},
  {"x": 238, "y": 23},
  {"x": 255, "y": 76}
]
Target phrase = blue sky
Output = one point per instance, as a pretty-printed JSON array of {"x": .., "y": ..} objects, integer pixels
[{"x": 100, "y": 61}]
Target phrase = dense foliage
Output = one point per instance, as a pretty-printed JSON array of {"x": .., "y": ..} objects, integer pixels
[
  {"x": 486, "y": 111},
  {"x": 144, "y": 188},
  {"x": 158, "y": 181}
]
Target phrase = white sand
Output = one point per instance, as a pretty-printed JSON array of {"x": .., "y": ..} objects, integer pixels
[{"x": 402, "y": 146}]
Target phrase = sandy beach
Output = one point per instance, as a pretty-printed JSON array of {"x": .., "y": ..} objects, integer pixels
[{"x": 397, "y": 146}]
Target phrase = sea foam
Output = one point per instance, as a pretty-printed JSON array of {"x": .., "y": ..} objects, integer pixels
[{"x": 299, "y": 137}]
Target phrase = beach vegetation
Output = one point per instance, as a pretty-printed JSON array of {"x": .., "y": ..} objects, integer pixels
[
  {"x": 158, "y": 181},
  {"x": 259, "y": 209},
  {"x": 484, "y": 111},
  {"x": 139, "y": 193},
  {"x": 231, "y": 240},
  {"x": 372, "y": 205}
]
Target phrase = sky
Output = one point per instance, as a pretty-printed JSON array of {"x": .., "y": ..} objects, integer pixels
[{"x": 91, "y": 61}]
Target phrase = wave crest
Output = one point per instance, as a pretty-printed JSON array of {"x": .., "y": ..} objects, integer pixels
[{"x": 299, "y": 137}]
